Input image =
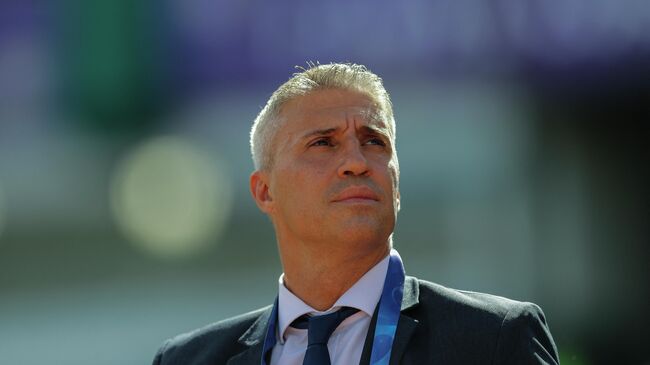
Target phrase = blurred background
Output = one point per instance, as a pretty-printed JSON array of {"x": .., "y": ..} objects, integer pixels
[{"x": 125, "y": 216}]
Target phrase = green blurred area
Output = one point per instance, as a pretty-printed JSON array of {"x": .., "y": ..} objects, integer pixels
[
  {"x": 568, "y": 357},
  {"x": 111, "y": 79}
]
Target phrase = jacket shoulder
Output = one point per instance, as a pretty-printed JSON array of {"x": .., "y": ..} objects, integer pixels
[
  {"x": 468, "y": 302},
  {"x": 499, "y": 328},
  {"x": 214, "y": 342}
]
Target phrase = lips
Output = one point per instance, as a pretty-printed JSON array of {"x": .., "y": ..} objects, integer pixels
[{"x": 356, "y": 193}]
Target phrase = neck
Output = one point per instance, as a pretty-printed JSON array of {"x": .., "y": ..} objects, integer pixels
[{"x": 319, "y": 277}]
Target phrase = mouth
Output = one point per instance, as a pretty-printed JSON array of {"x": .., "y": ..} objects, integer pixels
[{"x": 355, "y": 195}]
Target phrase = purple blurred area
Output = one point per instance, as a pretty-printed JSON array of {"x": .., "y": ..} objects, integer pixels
[{"x": 521, "y": 134}]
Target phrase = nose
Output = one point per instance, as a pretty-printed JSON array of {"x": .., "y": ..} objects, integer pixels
[{"x": 353, "y": 162}]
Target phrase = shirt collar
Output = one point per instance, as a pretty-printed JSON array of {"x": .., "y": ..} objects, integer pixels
[{"x": 363, "y": 295}]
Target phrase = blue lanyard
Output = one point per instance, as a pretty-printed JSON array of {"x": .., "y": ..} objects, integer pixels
[{"x": 387, "y": 317}]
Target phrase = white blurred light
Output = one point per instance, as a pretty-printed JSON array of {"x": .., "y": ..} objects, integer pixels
[{"x": 171, "y": 199}]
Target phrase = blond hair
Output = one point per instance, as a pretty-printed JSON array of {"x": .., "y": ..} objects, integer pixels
[{"x": 347, "y": 76}]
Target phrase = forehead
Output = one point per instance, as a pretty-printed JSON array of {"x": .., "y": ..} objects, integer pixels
[{"x": 323, "y": 107}]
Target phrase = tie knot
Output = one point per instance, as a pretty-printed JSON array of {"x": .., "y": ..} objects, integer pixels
[{"x": 320, "y": 328}]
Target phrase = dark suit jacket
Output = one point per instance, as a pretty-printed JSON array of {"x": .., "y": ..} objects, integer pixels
[{"x": 437, "y": 325}]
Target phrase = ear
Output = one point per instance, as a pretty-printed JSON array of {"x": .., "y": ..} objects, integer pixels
[{"x": 260, "y": 191}]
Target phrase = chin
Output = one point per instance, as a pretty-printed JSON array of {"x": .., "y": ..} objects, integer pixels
[{"x": 364, "y": 232}]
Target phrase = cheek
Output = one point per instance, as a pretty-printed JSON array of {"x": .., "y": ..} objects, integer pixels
[
  {"x": 301, "y": 183},
  {"x": 390, "y": 172},
  {"x": 314, "y": 168}
]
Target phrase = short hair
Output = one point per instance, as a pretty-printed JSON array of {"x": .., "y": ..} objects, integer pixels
[{"x": 347, "y": 76}]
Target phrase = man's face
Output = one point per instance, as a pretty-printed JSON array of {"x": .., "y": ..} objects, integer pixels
[{"x": 334, "y": 175}]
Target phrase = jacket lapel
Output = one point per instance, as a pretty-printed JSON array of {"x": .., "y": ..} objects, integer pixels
[
  {"x": 253, "y": 340},
  {"x": 406, "y": 325}
]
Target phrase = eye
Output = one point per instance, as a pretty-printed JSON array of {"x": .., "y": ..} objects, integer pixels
[
  {"x": 376, "y": 141},
  {"x": 321, "y": 142}
]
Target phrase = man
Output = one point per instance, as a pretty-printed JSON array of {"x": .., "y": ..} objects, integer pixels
[{"x": 327, "y": 175}]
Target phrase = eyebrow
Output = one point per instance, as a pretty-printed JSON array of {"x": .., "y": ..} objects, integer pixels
[
  {"x": 383, "y": 131},
  {"x": 320, "y": 132}
]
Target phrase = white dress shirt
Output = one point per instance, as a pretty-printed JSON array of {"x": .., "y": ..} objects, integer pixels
[{"x": 346, "y": 342}]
